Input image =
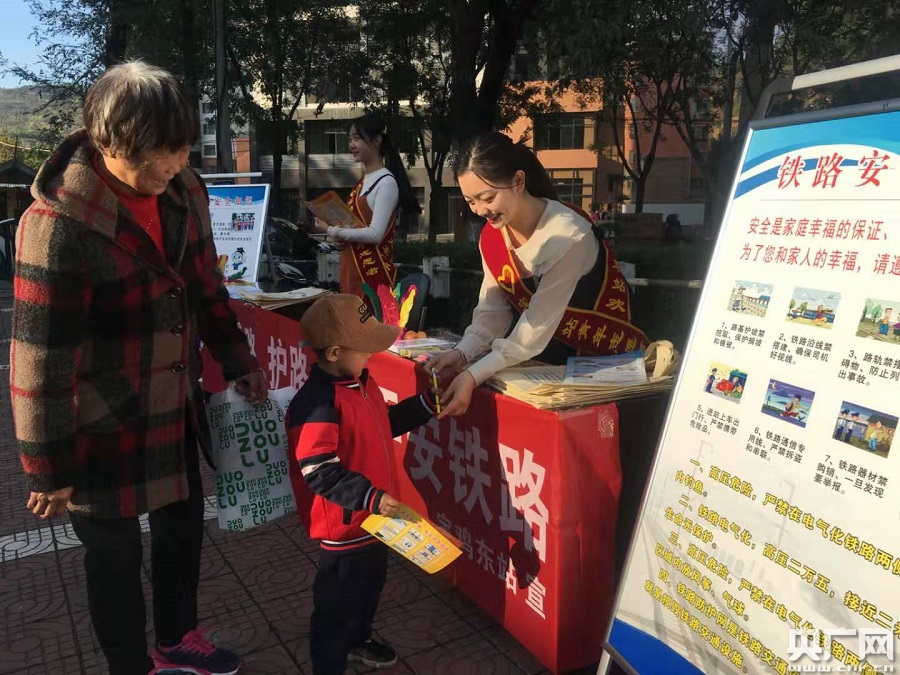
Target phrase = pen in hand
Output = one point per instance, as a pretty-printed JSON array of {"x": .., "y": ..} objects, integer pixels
[{"x": 434, "y": 388}]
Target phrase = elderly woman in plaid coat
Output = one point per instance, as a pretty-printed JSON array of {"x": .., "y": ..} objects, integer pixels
[{"x": 116, "y": 278}]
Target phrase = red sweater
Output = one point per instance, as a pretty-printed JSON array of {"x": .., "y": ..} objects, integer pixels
[{"x": 143, "y": 208}]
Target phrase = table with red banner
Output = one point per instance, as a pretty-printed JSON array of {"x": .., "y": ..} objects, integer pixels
[{"x": 531, "y": 495}]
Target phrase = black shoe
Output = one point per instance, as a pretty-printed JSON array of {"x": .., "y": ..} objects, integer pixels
[{"x": 374, "y": 654}]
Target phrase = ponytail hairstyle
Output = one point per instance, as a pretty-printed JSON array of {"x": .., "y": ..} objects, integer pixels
[
  {"x": 370, "y": 126},
  {"x": 495, "y": 159}
]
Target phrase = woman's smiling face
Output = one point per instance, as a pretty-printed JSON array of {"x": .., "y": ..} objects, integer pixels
[
  {"x": 361, "y": 149},
  {"x": 497, "y": 203}
]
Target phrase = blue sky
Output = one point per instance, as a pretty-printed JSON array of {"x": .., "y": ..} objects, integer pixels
[{"x": 16, "y": 43}]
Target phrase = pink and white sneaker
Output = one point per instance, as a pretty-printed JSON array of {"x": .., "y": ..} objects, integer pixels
[{"x": 195, "y": 654}]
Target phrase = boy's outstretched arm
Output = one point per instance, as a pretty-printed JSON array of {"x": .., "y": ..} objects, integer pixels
[{"x": 411, "y": 413}]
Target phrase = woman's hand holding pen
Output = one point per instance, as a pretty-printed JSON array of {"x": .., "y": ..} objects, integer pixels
[
  {"x": 446, "y": 363},
  {"x": 455, "y": 399}
]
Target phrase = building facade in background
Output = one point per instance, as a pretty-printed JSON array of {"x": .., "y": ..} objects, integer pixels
[
  {"x": 203, "y": 155},
  {"x": 578, "y": 148},
  {"x": 576, "y": 145}
]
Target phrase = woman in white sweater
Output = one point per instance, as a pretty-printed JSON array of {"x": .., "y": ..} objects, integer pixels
[
  {"x": 367, "y": 258},
  {"x": 545, "y": 270}
]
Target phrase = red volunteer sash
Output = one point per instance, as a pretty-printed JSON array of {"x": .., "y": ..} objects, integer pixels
[
  {"x": 601, "y": 325},
  {"x": 374, "y": 263}
]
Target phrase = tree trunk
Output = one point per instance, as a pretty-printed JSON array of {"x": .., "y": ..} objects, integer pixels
[
  {"x": 640, "y": 187},
  {"x": 116, "y": 46},
  {"x": 437, "y": 210},
  {"x": 224, "y": 157},
  {"x": 475, "y": 108},
  {"x": 278, "y": 143},
  {"x": 189, "y": 51},
  {"x": 507, "y": 19},
  {"x": 728, "y": 108},
  {"x": 468, "y": 23},
  {"x": 758, "y": 56}
]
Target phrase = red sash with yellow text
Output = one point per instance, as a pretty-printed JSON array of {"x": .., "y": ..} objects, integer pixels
[
  {"x": 598, "y": 318},
  {"x": 374, "y": 263}
]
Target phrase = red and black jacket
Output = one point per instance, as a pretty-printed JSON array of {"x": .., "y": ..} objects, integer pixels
[{"x": 340, "y": 436}]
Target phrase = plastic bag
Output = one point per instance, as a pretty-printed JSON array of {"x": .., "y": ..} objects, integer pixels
[{"x": 250, "y": 451}]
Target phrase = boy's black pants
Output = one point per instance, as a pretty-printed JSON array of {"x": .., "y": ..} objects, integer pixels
[
  {"x": 345, "y": 596},
  {"x": 112, "y": 561}
]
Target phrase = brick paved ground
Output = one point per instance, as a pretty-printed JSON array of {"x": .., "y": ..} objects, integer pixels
[{"x": 255, "y": 594}]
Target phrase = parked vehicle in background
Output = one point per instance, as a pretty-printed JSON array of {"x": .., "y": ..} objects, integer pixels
[{"x": 294, "y": 251}]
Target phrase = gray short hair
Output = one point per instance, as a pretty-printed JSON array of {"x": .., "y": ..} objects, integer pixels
[{"x": 135, "y": 108}]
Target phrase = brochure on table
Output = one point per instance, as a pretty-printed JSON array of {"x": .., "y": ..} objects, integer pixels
[
  {"x": 238, "y": 223},
  {"x": 627, "y": 368},
  {"x": 770, "y": 525}
]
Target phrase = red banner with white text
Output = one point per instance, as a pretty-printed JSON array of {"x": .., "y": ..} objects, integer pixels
[{"x": 531, "y": 495}]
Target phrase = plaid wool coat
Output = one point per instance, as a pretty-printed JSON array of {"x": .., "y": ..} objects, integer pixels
[{"x": 104, "y": 359}]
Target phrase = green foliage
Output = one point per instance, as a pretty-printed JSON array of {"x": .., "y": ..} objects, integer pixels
[
  {"x": 412, "y": 67},
  {"x": 29, "y": 155},
  {"x": 653, "y": 61},
  {"x": 451, "y": 73},
  {"x": 463, "y": 255},
  {"x": 38, "y": 123},
  {"x": 79, "y": 39},
  {"x": 281, "y": 51},
  {"x": 654, "y": 260},
  {"x": 657, "y": 260}
]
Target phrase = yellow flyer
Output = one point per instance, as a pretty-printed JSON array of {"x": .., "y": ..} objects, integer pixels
[
  {"x": 414, "y": 538},
  {"x": 332, "y": 209}
]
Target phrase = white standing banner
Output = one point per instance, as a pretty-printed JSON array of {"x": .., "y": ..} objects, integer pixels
[
  {"x": 238, "y": 224},
  {"x": 769, "y": 540}
]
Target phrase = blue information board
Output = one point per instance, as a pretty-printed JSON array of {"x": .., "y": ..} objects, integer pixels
[{"x": 238, "y": 223}]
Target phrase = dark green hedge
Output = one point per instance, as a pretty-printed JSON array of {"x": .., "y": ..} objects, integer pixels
[{"x": 653, "y": 260}]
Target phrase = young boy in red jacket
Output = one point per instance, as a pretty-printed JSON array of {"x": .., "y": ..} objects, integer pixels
[{"x": 340, "y": 434}]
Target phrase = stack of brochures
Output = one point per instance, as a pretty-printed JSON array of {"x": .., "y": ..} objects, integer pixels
[
  {"x": 276, "y": 300},
  {"x": 582, "y": 384}
]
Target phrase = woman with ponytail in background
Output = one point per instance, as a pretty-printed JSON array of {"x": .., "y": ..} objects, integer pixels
[
  {"x": 544, "y": 267},
  {"x": 367, "y": 259}
]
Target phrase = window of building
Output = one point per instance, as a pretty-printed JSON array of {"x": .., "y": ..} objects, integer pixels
[
  {"x": 699, "y": 108},
  {"x": 575, "y": 186},
  {"x": 327, "y": 137},
  {"x": 701, "y": 132},
  {"x": 563, "y": 132},
  {"x": 209, "y": 149},
  {"x": 209, "y": 127},
  {"x": 208, "y": 107}
]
